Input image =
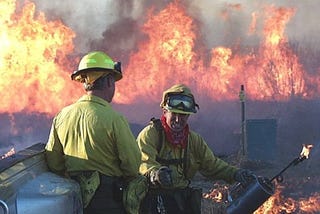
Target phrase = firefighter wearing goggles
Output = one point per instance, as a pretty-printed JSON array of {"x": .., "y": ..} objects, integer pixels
[
  {"x": 172, "y": 154},
  {"x": 179, "y": 99},
  {"x": 92, "y": 143}
]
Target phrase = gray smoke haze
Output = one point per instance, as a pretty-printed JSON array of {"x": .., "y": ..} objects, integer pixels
[
  {"x": 91, "y": 19},
  {"x": 303, "y": 26}
]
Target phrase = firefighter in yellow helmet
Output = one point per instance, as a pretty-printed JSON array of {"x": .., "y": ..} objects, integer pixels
[
  {"x": 172, "y": 154},
  {"x": 92, "y": 143}
]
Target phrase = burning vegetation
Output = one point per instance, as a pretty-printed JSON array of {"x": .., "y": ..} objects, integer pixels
[
  {"x": 35, "y": 50},
  {"x": 38, "y": 55}
]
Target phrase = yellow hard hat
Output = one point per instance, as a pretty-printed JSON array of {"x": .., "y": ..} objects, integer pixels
[
  {"x": 95, "y": 65},
  {"x": 179, "y": 99}
]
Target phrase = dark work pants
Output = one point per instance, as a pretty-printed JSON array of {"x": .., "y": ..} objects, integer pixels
[
  {"x": 104, "y": 200},
  {"x": 174, "y": 201}
]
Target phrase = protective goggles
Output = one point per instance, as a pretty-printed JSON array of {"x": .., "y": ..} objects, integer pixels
[{"x": 181, "y": 102}]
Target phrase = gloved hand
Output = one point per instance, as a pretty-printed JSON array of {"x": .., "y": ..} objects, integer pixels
[
  {"x": 161, "y": 177},
  {"x": 244, "y": 176}
]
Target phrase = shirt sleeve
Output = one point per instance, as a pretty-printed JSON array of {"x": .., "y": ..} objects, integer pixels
[
  {"x": 148, "y": 140},
  {"x": 211, "y": 166},
  {"x": 127, "y": 147},
  {"x": 54, "y": 152}
]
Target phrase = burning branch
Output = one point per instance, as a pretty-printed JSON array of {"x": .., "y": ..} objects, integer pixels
[{"x": 303, "y": 155}]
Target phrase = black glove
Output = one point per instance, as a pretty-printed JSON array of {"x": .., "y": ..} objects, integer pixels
[
  {"x": 161, "y": 177},
  {"x": 244, "y": 176}
]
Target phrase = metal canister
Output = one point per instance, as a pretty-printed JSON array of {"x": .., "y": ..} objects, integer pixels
[{"x": 252, "y": 196}]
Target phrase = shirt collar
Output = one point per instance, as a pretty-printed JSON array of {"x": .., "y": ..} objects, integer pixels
[{"x": 93, "y": 98}]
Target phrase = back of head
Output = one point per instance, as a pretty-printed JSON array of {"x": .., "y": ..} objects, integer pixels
[{"x": 96, "y": 65}]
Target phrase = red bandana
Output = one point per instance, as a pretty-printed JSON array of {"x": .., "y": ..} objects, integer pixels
[{"x": 177, "y": 139}]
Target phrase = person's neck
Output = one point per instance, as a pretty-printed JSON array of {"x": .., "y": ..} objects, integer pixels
[{"x": 99, "y": 93}]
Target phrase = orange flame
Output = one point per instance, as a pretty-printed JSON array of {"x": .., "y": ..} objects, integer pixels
[
  {"x": 172, "y": 54},
  {"x": 279, "y": 204},
  {"x": 167, "y": 57},
  {"x": 216, "y": 194},
  {"x": 32, "y": 60},
  {"x": 311, "y": 204},
  {"x": 8, "y": 154}
]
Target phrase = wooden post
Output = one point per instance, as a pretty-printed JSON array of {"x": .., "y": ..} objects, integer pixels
[{"x": 243, "y": 142}]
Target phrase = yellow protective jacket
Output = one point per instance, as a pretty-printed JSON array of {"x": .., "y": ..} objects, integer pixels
[
  {"x": 199, "y": 158},
  {"x": 90, "y": 135}
]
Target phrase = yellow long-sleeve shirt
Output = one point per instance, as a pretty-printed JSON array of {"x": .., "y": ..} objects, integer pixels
[
  {"x": 90, "y": 135},
  {"x": 199, "y": 158}
]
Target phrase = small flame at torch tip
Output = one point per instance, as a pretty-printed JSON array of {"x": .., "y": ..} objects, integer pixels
[{"x": 306, "y": 150}]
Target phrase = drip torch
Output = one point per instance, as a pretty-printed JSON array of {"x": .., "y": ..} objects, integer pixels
[{"x": 247, "y": 199}]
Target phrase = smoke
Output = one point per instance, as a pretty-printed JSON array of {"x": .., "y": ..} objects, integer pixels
[
  {"x": 227, "y": 22},
  {"x": 91, "y": 19}
]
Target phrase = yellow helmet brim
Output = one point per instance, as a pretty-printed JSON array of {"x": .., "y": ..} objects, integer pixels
[{"x": 91, "y": 75}]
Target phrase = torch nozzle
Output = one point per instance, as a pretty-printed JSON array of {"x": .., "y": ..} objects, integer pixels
[
  {"x": 303, "y": 155},
  {"x": 299, "y": 159}
]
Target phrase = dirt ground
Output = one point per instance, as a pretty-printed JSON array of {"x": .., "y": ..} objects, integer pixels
[{"x": 298, "y": 193}]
